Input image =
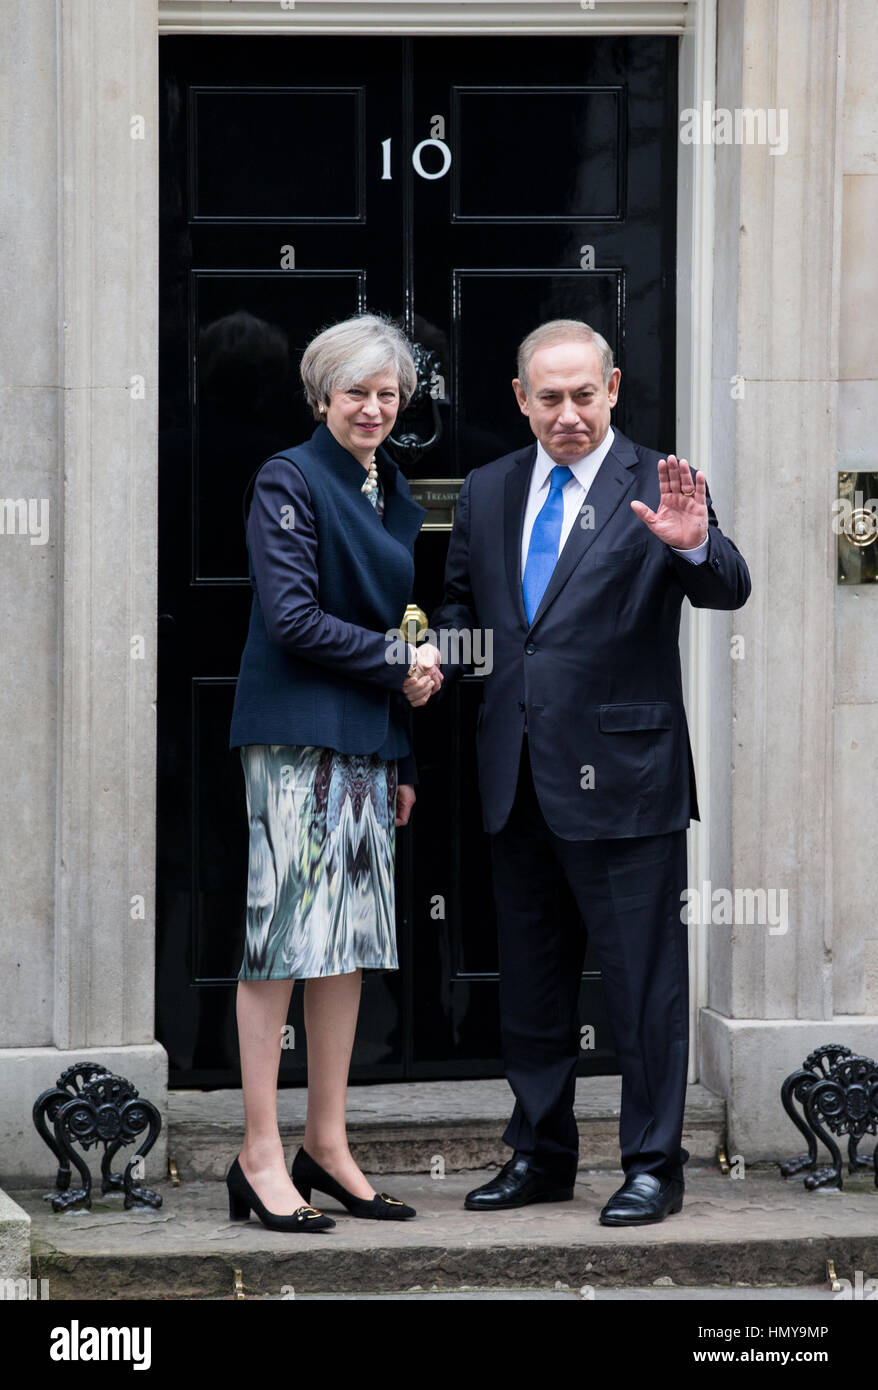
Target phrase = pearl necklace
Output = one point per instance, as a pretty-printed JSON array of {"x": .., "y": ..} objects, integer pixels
[{"x": 371, "y": 483}]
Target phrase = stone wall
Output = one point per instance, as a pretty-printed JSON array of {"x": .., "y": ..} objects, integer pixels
[
  {"x": 793, "y": 271},
  {"x": 78, "y": 375}
]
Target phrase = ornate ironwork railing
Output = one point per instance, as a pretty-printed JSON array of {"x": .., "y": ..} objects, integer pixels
[
  {"x": 837, "y": 1094},
  {"x": 88, "y": 1106}
]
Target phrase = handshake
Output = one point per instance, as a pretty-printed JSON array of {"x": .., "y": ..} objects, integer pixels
[{"x": 427, "y": 678}]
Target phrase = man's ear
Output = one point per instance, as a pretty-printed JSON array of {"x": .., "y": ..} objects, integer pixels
[
  {"x": 520, "y": 396},
  {"x": 613, "y": 385}
]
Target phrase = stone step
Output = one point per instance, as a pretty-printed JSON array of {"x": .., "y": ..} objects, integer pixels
[
  {"x": 755, "y": 1232},
  {"x": 422, "y": 1127},
  {"x": 14, "y": 1241}
]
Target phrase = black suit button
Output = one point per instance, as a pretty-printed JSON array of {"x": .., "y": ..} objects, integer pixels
[
  {"x": 530, "y": 649},
  {"x": 522, "y": 706}
]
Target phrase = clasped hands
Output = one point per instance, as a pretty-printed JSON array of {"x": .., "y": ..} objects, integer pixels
[{"x": 427, "y": 679}]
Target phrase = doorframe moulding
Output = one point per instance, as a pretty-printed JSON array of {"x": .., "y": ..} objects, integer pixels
[
  {"x": 694, "y": 23},
  {"x": 424, "y": 17}
]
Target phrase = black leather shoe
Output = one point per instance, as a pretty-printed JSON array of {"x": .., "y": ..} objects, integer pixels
[
  {"x": 643, "y": 1198},
  {"x": 517, "y": 1185},
  {"x": 307, "y": 1174},
  {"x": 243, "y": 1200}
]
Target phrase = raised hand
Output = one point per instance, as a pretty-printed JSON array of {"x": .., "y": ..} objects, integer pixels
[{"x": 681, "y": 519}]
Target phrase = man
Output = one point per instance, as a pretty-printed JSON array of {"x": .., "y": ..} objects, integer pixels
[{"x": 575, "y": 555}]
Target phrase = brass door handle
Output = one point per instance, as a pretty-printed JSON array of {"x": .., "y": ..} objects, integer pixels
[{"x": 414, "y": 623}]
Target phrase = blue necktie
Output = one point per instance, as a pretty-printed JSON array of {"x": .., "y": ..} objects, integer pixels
[{"x": 542, "y": 551}]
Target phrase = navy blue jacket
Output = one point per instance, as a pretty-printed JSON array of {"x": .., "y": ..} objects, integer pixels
[
  {"x": 330, "y": 579},
  {"x": 596, "y": 675}
]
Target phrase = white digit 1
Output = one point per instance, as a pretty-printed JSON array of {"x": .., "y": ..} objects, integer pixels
[{"x": 385, "y": 154}]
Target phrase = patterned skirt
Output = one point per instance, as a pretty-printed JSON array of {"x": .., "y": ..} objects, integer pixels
[{"x": 320, "y": 889}]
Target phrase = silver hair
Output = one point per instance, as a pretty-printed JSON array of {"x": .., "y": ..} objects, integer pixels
[
  {"x": 563, "y": 331},
  {"x": 348, "y": 352}
]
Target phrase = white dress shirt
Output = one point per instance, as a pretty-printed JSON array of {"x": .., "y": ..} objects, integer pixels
[{"x": 573, "y": 495}]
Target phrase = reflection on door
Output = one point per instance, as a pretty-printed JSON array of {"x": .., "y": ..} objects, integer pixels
[{"x": 470, "y": 188}]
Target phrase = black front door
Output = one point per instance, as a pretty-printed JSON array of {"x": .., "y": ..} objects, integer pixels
[{"x": 472, "y": 189}]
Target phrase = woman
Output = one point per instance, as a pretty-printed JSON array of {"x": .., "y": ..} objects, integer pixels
[{"x": 321, "y": 720}]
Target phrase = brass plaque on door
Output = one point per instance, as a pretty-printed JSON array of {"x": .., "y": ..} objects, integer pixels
[{"x": 439, "y": 496}]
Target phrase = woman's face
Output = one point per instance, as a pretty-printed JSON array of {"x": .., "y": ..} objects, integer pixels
[{"x": 362, "y": 417}]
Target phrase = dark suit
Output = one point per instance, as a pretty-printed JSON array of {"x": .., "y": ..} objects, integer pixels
[{"x": 585, "y": 771}]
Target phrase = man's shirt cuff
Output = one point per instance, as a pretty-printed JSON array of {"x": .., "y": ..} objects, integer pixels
[{"x": 696, "y": 555}]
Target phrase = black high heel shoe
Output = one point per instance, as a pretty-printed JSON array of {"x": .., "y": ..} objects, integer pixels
[
  {"x": 243, "y": 1200},
  {"x": 307, "y": 1174}
]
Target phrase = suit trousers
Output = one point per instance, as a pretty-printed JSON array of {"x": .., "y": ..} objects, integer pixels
[{"x": 628, "y": 892}]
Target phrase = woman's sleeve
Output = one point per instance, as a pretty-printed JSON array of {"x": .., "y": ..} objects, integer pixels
[
  {"x": 406, "y": 771},
  {"x": 282, "y": 540},
  {"x": 406, "y": 767}
]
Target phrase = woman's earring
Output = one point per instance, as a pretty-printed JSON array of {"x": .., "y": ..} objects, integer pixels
[{"x": 322, "y": 408}]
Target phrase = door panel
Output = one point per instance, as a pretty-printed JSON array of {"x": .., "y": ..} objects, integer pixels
[
  {"x": 471, "y": 189},
  {"x": 301, "y": 133},
  {"x": 486, "y": 410},
  {"x": 576, "y": 176},
  {"x": 279, "y": 300}
]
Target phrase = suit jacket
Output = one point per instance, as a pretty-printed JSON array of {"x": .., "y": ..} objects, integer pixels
[
  {"x": 330, "y": 579},
  {"x": 596, "y": 676}
]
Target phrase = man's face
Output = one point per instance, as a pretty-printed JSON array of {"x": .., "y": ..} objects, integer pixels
[{"x": 567, "y": 404}]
